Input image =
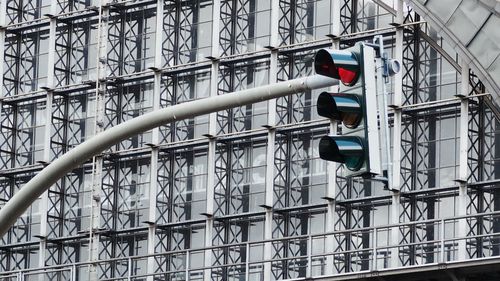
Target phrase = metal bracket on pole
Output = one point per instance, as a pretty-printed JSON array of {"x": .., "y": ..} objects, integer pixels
[{"x": 385, "y": 68}]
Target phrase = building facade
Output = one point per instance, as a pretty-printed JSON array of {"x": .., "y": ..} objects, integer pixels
[{"x": 239, "y": 194}]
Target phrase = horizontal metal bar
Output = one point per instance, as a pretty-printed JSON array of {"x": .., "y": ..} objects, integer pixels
[{"x": 470, "y": 262}]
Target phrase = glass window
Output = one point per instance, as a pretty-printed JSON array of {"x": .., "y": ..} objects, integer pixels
[
  {"x": 187, "y": 32},
  {"x": 127, "y": 101},
  {"x": 73, "y": 121},
  {"x": 180, "y": 88},
  {"x": 189, "y": 185},
  {"x": 299, "y": 107},
  {"x": 249, "y": 30},
  {"x": 245, "y": 174},
  {"x": 181, "y": 191},
  {"x": 125, "y": 194},
  {"x": 7, "y": 136},
  {"x": 240, "y": 77},
  {"x": 76, "y": 52},
  {"x": 30, "y": 133},
  {"x": 25, "y": 64},
  {"x": 20, "y": 11},
  {"x": 131, "y": 40}
]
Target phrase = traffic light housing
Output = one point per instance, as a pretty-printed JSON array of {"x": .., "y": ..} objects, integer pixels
[{"x": 355, "y": 105}]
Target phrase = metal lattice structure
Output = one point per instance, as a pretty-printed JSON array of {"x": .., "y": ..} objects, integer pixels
[{"x": 238, "y": 194}]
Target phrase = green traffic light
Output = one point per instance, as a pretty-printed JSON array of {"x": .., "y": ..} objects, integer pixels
[{"x": 343, "y": 149}]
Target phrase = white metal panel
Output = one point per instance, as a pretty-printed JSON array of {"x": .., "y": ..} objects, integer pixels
[
  {"x": 467, "y": 20},
  {"x": 444, "y": 8},
  {"x": 494, "y": 71},
  {"x": 492, "y": 5},
  {"x": 486, "y": 44},
  {"x": 371, "y": 106}
]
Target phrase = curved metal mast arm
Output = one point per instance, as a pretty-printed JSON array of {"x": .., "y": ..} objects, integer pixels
[{"x": 18, "y": 204}]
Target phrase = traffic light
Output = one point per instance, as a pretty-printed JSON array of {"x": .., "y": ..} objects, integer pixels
[{"x": 355, "y": 105}]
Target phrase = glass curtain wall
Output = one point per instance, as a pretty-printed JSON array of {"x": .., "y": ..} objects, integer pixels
[{"x": 190, "y": 200}]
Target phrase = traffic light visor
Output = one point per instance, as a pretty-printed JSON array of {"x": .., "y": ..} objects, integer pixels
[
  {"x": 343, "y": 149},
  {"x": 338, "y": 64},
  {"x": 342, "y": 107}
]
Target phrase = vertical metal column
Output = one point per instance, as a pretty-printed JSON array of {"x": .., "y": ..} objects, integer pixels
[
  {"x": 153, "y": 176},
  {"x": 44, "y": 200},
  {"x": 3, "y": 23},
  {"x": 271, "y": 139},
  {"x": 102, "y": 37},
  {"x": 331, "y": 169},
  {"x": 212, "y": 142},
  {"x": 3, "y": 13},
  {"x": 463, "y": 161},
  {"x": 396, "y": 139}
]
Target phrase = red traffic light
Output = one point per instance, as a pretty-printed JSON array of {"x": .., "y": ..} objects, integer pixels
[{"x": 338, "y": 64}]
